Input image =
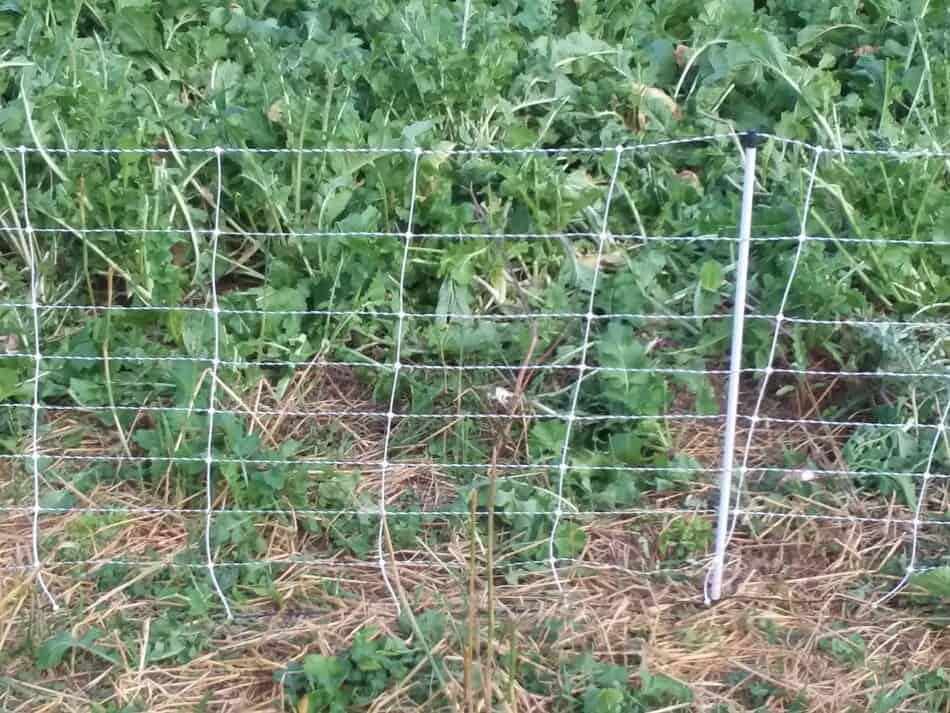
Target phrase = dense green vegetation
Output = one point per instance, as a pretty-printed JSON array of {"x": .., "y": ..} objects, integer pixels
[{"x": 308, "y": 266}]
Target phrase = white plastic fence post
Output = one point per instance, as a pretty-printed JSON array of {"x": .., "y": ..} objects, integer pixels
[
  {"x": 749, "y": 142},
  {"x": 466, "y": 15}
]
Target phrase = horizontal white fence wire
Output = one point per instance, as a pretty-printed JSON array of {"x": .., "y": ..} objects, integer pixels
[
  {"x": 736, "y": 138},
  {"x": 576, "y": 365},
  {"x": 619, "y": 237},
  {"x": 513, "y": 316}
]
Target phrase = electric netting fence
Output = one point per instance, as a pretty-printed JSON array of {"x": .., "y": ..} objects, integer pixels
[{"x": 542, "y": 360}]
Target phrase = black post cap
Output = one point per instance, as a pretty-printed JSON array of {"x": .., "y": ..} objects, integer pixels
[{"x": 751, "y": 139}]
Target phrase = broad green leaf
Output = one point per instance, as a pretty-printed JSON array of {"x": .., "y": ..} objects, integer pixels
[
  {"x": 54, "y": 649},
  {"x": 87, "y": 391},
  {"x": 662, "y": 68},
  {"x": 9, "y": 383},
  {"x": 663, "y": 689},
  {"x": 604, "y": 700},
  {"x": 905, "y": 484},
  {"x": 619, "y": 348},
  {"x": 415, "y": 130},
  {"x": 891, "y": 701},
  {"x": 941, "y": 232},
  {"x": 454, "y": 298},
  {"x": 333, "y": 207},
  {"x": 57, "y": 499},
  {"x": 327, "y": 672},
  {"x": 136, "y": 30},
  {"x": 936, "y": 581},
  {"x": 710, "y": 275},
  {"x": 577, "y": 45},
  {"x": 570, "y": 540},
  {"x": 547, "y": 438},
  {"x": 365, "y": 651},
  {"x": 196, "y": 331}
]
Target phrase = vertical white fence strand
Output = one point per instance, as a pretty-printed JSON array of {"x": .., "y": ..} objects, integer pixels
[
  {"x": 582, "y": 368},
  {"x": 384, "y": 466},
  {"x": 939, "y": 434},
  {"x": 714, "y": 590},
  {"x": 37, "y": 371},
  {"x": 213, "y": 386},
  {"x": 773, "y": 348}
]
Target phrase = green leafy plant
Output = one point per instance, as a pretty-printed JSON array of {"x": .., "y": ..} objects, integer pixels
[
  {"x": 351, "y": 678},
  {"x": 686, "y": 538},
  {"x": 607, "y": 688},
  {"x": 52, "y": 651}
]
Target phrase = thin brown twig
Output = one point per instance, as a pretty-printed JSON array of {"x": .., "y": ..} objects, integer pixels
[{"x": 514, "y": 402}]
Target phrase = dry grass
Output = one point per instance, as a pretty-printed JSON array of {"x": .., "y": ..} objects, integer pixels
[{"x": 794, "y": 585}]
